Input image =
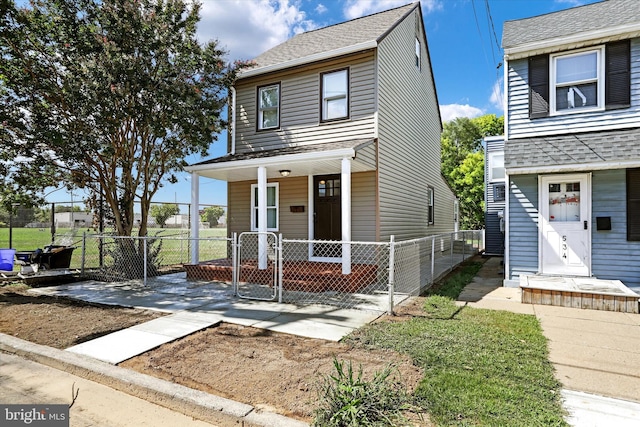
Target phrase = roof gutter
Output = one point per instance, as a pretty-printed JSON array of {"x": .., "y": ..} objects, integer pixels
[
  {"x": 554, "y": 44},
  {"x": 371, "y": 44},
  {"x": 624, "y": 164},
  {"x": 277, "y": 160}
]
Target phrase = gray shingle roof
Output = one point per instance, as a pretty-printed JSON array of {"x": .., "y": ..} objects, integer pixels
[
  {"x": 356, "y": 31},
  {"x": 601, "y": 15},
  {"x": 300, "y": 149},
  {"x": 573, "y": 149}
]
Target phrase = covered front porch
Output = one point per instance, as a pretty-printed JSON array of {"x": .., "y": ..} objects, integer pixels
[{"x": 303, "y": 192}]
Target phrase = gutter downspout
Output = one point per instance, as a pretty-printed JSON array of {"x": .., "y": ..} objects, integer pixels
[{"x": 233, "y": 120}]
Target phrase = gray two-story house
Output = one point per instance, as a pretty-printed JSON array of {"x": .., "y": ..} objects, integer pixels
[
  {"x": 335, "y": 135},
  {"x": 572, "y": 143}
]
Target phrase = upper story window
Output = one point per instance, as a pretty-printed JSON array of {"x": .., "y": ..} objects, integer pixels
[
  {"x": 495, "y": 166},
  {"x": 418, "y": 52},
  {"x": 577, "y": 81},
  {"x": 269, "y": 107},
  {"x": 335, "y": 95},
  {"x": 580, "y": 81}
]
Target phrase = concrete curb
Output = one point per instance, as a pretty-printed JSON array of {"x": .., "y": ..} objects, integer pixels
[{"x": 197, "y": 404}]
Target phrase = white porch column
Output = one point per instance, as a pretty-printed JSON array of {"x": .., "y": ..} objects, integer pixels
[
  {"x": 345, "y": 199},
  {"x": 195, "y": 217},
  {"x": 262, "y": 217}
]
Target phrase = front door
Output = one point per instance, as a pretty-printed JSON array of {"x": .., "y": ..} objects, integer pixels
[
  {"x": 327, "y": 215},
  {"x": 565, "y": 236}
]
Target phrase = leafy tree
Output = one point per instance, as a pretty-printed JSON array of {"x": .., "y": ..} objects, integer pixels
[
  {"x": 463, "y": 163},
  {"x": 106, "y": 95},
  {"x": 163, "y": 211},
  {"x": 212, "y": 214},
  {"x": 469, "y": 179}
]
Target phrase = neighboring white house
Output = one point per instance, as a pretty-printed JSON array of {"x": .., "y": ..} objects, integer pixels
[{"x": 73, "y": 219}]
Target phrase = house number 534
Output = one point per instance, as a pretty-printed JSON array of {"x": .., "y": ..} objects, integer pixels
[{"x": 564, "y": 247}]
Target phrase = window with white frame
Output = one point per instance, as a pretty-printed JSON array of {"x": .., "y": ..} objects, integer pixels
[
  {"x": 430, "y": 205},
  {"x": 335, "y": 95},
  {"x": 495, "y": 166},
  {"x": 272, "y": 207},
  {"x": 577, "y": 81},
  {"x": 418, "y": 52},
  {"x": 269, "y": 107}
]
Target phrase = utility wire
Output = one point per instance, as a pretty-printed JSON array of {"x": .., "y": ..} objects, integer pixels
[{"x": 475, "y": 15}]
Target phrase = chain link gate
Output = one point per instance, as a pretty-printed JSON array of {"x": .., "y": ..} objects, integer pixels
[{"x": 257, "y": 266}]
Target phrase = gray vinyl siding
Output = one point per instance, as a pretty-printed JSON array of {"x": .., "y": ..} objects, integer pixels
[
  {"x": 409, "y": 139},
  {"x": 494, "y": 238},
  {"x": 520, "y": 126},
  {"x": 523, "y": 225},
  {"x": 613, "y": 257},
  {"x": 300, "y": 106},
  {"x": 363, "y": 207},
  {"x": 294, "y": 192}
]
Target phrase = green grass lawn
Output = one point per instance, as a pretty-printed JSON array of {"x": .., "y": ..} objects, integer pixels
[
  {"x": 175, "y": 249},
  {"x": 481, "y": 367}
]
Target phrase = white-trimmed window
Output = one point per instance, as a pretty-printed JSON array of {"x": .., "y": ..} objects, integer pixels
[
  {"x": 269, "y": 107},
  {"x": 418, "y": 53},
  {"x": 430, "y": 205},
  {"x": 272, "y": 207},
  {"x": 577, "y": 81},
  {"x": 335, "y": 95},
  {"x": 495, "y": 164}
]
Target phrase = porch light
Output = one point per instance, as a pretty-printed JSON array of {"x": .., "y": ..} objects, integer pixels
[{"x": 285, "y": 172}]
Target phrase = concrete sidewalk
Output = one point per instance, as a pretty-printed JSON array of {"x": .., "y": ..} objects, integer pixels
[{"x": 596, "y": 354}]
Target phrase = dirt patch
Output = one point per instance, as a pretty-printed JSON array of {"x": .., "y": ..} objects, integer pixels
[
  {"x": 266, "y": 369},
  {"x": 61, "y": 322},
  {"x": 269, "y": 370}
]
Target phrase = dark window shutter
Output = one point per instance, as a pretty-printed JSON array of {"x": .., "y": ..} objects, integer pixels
[
  {"x": 538, "y": 86},
  {"x": 618, "y": 75},
  {"x": 633, "y": 204}
]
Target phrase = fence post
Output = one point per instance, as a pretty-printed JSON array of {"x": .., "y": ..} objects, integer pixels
[
  {"x": 84, "y": 252},
  {"x": 433, "y": 258},
  {"x": 451, "y": 237},
  {"x": 144, "y": 262},
  {"x": 280, "y": 267},
  {"x": 391, "y": 272},
  {"x": 234, "y": 263},
  {"x": 464, "y": 243}
]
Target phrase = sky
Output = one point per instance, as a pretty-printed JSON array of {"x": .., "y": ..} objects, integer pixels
[{"x": 463, "y": 36}]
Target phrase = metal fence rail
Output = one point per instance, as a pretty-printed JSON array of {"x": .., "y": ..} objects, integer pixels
[{"x": 376, "y": 275}]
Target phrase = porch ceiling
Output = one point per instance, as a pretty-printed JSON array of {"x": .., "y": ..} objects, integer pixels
[{"x": 301, "y": 161}]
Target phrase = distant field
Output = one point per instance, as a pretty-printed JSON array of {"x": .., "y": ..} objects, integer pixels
[{"x": 175, "y": 244}]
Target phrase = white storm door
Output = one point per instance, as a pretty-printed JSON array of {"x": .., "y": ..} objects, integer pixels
[{"x": 565, "y": 235}]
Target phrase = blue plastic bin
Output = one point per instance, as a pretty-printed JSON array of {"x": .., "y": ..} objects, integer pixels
[{"x": 6, "y": 259}]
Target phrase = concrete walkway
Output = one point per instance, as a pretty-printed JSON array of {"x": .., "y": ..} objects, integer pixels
[
  {"x": 596, "y": 354},
  {"x": 195, "y": 306}
]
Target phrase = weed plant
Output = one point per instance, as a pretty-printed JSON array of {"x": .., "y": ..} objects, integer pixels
[{"x": 349, "y": 400}]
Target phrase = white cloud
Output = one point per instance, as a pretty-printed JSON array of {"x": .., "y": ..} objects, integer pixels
[
  {"x": 497, "y": 95},
  {"x": 357, "y": 8},
  {"x": 320, "y": 9},
  {"x": 452, "y": 111},
  {"x": 246, "y": 28}
]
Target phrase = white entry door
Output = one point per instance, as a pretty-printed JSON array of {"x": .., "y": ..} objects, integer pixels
[{"x": 565, "y": 228}]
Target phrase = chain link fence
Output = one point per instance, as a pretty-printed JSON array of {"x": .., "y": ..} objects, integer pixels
[
  {"x": 264, "y": 266},
  {"x": 112, "y": 258}
]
